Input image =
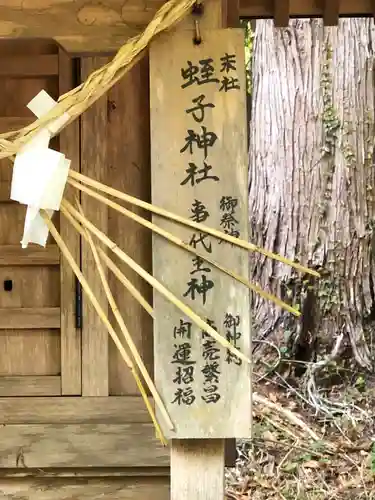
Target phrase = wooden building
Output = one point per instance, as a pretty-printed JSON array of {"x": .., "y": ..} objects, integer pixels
[{"x": 73, "y": 423}]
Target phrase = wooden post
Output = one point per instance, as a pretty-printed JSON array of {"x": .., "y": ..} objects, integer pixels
[
  {"x": 197, "y": 469},
  {"x": 199, "y": 170},
  {"x": 94, "y": 164},
  {"x": 71, "y": 372}
]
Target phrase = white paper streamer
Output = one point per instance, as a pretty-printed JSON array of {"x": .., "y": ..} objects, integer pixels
[{"x": 40, "y": 174}]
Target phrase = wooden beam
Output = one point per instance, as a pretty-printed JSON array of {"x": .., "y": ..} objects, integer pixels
[
  {"x": 87, "y": 472},
  {"x": 232, "y": 16},
  {"x": 29, "y": 385},
  {"x": 81, "y": 445},
  {"x": 92, "y": 27},
  {"x": 49, "y": 485},
  {"x": 15, "y": 255},
  {"x": 281, "y": 13},
  {"x": 28, "y": 318},
  {"x": 331, "y": 12},
  {"x": 26, "y": 66},
  {"x": 304, "y": 8},
  {"x": 78, "y": 25},
  {"x": 72, "y": 410}
]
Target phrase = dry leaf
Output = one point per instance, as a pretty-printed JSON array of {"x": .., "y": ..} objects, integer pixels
[
  {"x": 269, "y": 436},
  {"x": 272, "y": 396},
  {"x": 312, "y": 464}
]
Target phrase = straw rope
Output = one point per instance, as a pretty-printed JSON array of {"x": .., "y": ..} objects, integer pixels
[{"x": 76, "y": 101}]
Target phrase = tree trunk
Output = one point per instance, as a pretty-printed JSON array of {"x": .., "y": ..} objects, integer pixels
[{"x": 311, "y": 188}]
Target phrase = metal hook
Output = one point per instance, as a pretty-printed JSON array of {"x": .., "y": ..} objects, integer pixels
[
  {"x": 197, "y": 37},
  {"x": 198, "y": 12}
]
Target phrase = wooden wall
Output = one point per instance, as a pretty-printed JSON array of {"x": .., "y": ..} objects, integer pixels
[
  {"x": 115, "y": 149},
  {"x": 30, "y": 340}
]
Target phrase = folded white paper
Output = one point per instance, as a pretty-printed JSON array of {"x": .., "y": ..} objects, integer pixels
[
  {"x": 40, "y": 174},
  {"x": 40, "y": 140},
  {"x": 41, "y": 105},
  {"x": 39, "y": 178},
  {"x": 35, "y": 230}
]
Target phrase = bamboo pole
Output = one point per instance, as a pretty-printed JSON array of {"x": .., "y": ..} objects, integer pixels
[
  {"x": 124, "y": 329},
  {"x": 177, "y": 241},
  {"x": 182, "y": 220},
  {"x": 86, "y": 287},
  {"x": 112, "y": 266},
  {"x": 154, "y": 282}
]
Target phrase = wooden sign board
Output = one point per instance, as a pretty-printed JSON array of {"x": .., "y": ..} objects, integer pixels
[{"x": 199, "y": 170}]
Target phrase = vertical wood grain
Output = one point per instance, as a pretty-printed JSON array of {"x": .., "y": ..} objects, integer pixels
[
  {"x": 94, "y": 164},
  {"x": 70, "y": 335},
  {"x": 197, "y": 469},
  {"x": 129, "y": 170}
]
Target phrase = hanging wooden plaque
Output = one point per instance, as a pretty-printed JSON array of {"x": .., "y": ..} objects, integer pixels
[{"x": 199, "y": 170}]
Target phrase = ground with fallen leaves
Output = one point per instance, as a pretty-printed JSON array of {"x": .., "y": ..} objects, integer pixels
[{"x": 299, "y": 454}]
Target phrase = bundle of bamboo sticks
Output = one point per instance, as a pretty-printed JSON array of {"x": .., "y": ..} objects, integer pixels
[{"x": 88, "y": 230}]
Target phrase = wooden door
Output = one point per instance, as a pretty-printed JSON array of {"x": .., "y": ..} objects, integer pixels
[{"x": 32, "y": 300}]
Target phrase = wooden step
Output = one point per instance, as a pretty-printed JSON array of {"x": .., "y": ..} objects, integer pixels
[{"x": 30, "y": 385}]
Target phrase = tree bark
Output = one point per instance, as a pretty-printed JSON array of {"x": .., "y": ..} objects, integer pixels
[{"x": 311, "y": 189}]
